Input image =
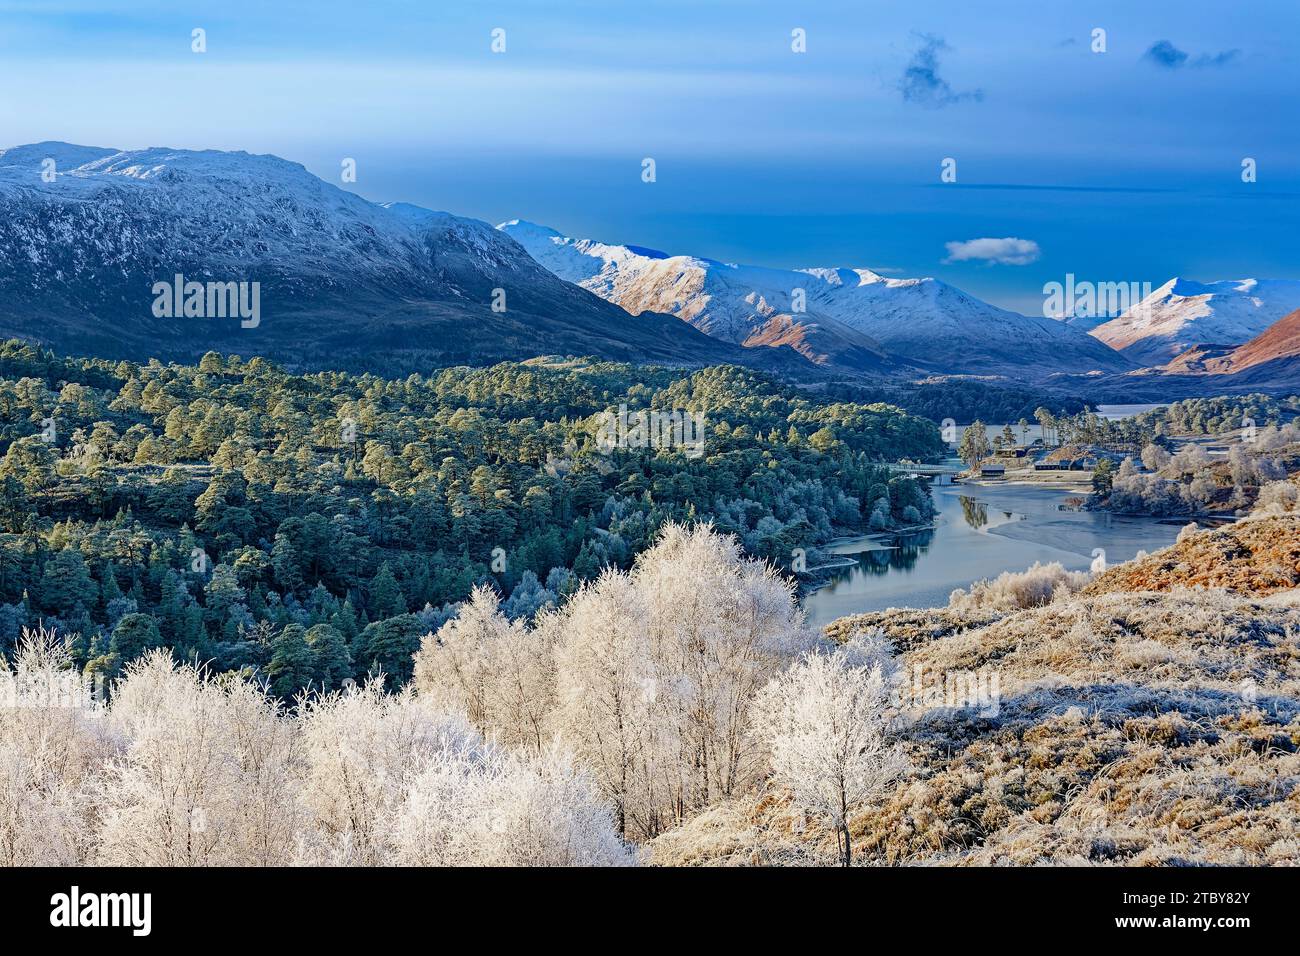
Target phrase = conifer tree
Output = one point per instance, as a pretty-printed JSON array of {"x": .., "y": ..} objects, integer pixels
[
  {"x": 386, "y": 598},
  {"x": 291, "y": 667}
]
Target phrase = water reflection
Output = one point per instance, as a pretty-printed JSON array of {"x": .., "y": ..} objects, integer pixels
[
  {"x": 975, "y": 512},
  {"x": 898, "y": 552},
  {"x": 980, "y": 532}
]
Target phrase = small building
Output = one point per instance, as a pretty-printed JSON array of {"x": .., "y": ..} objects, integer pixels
[{"x": 992, "y": 470}]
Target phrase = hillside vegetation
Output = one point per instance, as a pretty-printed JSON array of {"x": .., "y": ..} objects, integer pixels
[
  {"x": 379, "y": 691},
  {"x": 1257, "y": 557},
  {"x": 310, "y": 528},
  {"x": 1153, "y": 718}
]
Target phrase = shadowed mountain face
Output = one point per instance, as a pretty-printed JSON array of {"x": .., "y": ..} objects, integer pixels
[
  {"x": 86, "y": 234},
  {"x": 1270, "y": 360},
  {"x": 848, "y": 319}
]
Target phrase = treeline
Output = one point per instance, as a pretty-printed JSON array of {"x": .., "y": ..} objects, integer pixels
[
  {"x": 1221, "y": 414},
  {"x": 313, "y": 527},
  {"x": 1086, "y": 427},
  {"x": 962, "y": 400}
]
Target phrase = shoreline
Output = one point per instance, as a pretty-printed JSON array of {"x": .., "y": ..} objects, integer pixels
[
  {"x": 872, "y": 535},
  {"x": 813, "y": 586},
  {"x": 1080, "y": 486},
  {"x": 1056, "y": 535},
  {"x": 845, "y": 563}
]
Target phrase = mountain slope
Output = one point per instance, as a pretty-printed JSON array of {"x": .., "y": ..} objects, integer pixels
[
  {"x": 1150, "y": 719},
  {"x": 343, "y": 282},
  {"x": 1182, "y": 314},
  {"x": 642, "y": 280},
  {"x": 1271, "y": 358},
  {"x": 1270, "y": 362},
  {"x": 850, "y": 313}
]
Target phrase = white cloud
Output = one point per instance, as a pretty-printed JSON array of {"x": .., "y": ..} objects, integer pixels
[{"x": 1007, "y": 252}]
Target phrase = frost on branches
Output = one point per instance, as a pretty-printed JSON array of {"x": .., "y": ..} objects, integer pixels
[
  {"x": 652, "y": 675},
  {"x": 184, "y": 768},
  {"x": 826, "y": 723},
  {"x": 650, "y": 697}
]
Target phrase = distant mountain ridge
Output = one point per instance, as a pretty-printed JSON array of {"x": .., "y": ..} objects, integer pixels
[
  {"x": 344, "y": 282},
  {"x": 851, "y": 318},
  {"x": 1269, "y": 362},
  {"x": 86, "y": 233},
  {"x": 1183, "y": 313}
]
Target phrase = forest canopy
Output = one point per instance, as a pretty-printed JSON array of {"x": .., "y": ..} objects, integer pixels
[{"x": 311, "y": 528}]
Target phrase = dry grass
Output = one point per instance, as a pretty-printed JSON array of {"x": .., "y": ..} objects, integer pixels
[
  {"x": 1257, "y": 556},
  {"x": 1150, "y": 720}
]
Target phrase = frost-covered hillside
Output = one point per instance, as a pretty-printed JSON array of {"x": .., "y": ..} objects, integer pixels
[{"x": 1150, "y": 719}]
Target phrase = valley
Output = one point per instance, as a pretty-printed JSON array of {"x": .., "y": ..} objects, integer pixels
[{"x": 503, "y": 547}]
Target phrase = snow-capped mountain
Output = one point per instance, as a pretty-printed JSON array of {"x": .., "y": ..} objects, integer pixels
[
  {"x": 87, "y": 232},
  {"x": 1182, "y": 314},
  {"x": 847, "y": 313}
]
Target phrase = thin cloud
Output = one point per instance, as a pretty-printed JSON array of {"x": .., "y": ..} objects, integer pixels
[
  {"x": 1222, "y": 58},
  {"x": 1007, "y": 252},
  {"x": 1051, "y": 188},
  {"x": 1167, "y": 56},
  {"x": 921, "y": 82}
]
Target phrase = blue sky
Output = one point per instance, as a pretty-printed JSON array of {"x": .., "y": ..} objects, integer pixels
[{"x": 1119, "y": 166}]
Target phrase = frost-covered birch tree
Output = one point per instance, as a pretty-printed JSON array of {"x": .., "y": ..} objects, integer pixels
[
  {"x": 609, "y": 712},
  {"x": 206, "y": 775},
  {"x": 498, "y": 672},
  {"x": 658, "y": 669},
  {"x": 825, "y": 722},
  {"x": 721, "y": 625},
  {"x": 51, "y": 748}
]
